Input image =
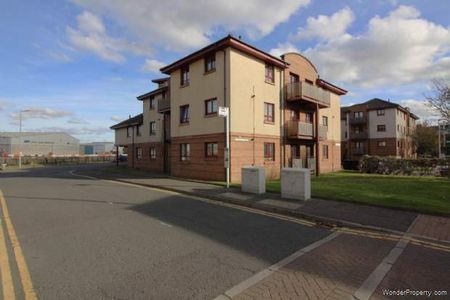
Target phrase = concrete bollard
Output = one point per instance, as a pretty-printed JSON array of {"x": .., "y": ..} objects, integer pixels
[
  {"x": 253, "y": 180},
  {"x": 296, "y": 183}
]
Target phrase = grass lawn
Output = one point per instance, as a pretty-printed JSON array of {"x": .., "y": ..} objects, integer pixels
[{"x": 423, "y": 194}]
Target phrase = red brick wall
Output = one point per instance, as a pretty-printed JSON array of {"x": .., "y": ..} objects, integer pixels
[
  {"x": 389, "y": 150},
  {"x": 145, "y": 163},
  {"x": 198, "y": 167},
  {"x": 242, "y": 155}
]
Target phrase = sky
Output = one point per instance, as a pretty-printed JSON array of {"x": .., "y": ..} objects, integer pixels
[{"x": 77, "y": 66}]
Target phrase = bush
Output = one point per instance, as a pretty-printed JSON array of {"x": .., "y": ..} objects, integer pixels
[{"x": 399, "y": 166}]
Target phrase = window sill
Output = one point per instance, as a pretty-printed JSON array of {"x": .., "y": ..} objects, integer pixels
[
  {"x": 184, "y": 85},
  {"x": 184, "y": 124},
  {"x": 269, "y": 82},
  {"x": 269, "y": 122},
  {"x": 211, "y": 158},
  {"x": 185, "y": 161},
  {"x": 210, "y": 115},
  {"x": 210, "y": 71},
  {"x": 268, "y": 161}
]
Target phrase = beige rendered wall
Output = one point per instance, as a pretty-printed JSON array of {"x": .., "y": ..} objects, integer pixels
[
  {"x": 121, "y": 137},
  {"x": 201, "y": 87},
  {"x": 151, "y": 116},
  {"x": 248, "y": 92},
  {"x": 334, "y": 118},
  {"x": 389, "y": 119}
]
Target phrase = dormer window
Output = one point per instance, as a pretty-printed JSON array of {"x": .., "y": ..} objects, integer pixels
[
  {"x": 210, "y": 63},
  {"x": 184, "y": 76}
]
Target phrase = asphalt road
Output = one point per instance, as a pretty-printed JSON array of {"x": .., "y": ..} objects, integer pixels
[{"x": 92, "y": 239}]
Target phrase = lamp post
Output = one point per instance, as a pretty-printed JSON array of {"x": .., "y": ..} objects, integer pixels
[{"x": 439, "y": 137}]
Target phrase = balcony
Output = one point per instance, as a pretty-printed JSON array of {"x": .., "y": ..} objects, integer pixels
[
  {"x": 358, "y": 135},
  {"x": 358, "y": 121},
  {"x": 296, "y": 129},
  {"x": 358, "y": 151},
  {"x": 308, "y": 92},
  {"x": 305, "y": 130},
  {"x": 164, "y": 105}
]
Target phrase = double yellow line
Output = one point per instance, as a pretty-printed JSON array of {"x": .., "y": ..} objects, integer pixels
[{"x": 25, "y": 277}]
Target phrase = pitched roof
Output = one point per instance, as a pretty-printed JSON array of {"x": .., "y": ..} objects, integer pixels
[
  {"x": 377, "y": 103},
  {"x": 228, "y": 41},
  {"x": 151, "y": 93},
  {"x": 136, "y": 120}
]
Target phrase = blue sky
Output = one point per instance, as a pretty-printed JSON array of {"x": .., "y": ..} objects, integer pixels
[{"x": 79, "y": 65}]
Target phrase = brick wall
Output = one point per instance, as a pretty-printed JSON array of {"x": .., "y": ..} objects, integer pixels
[
  {"x": 145, "y": 163},
  {"x": 198, "y": 166}
]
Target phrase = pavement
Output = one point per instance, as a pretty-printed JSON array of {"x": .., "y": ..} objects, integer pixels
[
  {"x": 83, "y": 238},
  {"x": 332, "y": 213}
]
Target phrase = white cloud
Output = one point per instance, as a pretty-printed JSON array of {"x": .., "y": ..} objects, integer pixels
[
  {"x": 180, "y": 25},
  {"x": 400, "y": 48},
  {"x": 117, "y": 118},
  {"x": 326, "y": 27},
  {"x": 39, "y": 113},
  {"x": 77, "y": 121},
  {"x": 3, "y": 105},
  {"x": 91, "y": 36},
  {"x": 283, "y": 48},
  {"x": 76, "y": 130},
  {"x": 420, "y": 108},
  {"x": 152, "y": 65}
]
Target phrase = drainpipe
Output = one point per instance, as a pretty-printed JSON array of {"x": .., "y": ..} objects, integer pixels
[
  {"x": 227, "y": 119},
  {"x": 282, "y": 127},
  {"x": 317, "y": 139}
]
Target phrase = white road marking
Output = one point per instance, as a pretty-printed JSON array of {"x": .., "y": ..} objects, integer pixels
[{"x": 237, "y": 289}]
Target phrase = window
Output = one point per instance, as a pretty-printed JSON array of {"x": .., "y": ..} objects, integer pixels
[
  {"x": 139, "y": 130},
  {"x": 269, "y": 151},
  {"x": 381, "y": 143},
  {"x": 358, "y": 114},
  {"x": 293, "y": 78},
  {"x": 152, "y": 153},
  {"x": 210, "y": 63},
  {"x": 128, "y": 131},
  {"x": 269, "y": 115},
  {"x": 325, "y": 151},
  {"x": 138, "y": 152},
  {"x": 152, "y": 128},
  {"x": 345, "y": 134},
  {"x": 184, "y": 76},
  {"x": 357, "y": 129},
  {"x": 398, "y": 144},
  {"x": 359, "y": 145},
  {"x": 381, "y": 128},
  {"x": 270, "y": 74},
  {"x": 184, "y": 114},
  {"x": 293, "y": 115},
  {"x": 324, "y": 121},
  {"x": 211, "y": 149},
  {"x": 380, "y": 112},
  {"x": 398, "y": 127},
  {"x": 308, "y": 117},
  {"x": 211, "y": 106},
  {"x": 185, "y": 152},
  {"x": 152, "y": 103}
]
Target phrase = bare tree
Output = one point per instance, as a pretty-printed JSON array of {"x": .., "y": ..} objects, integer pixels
[{"x": 440, "y": 99}]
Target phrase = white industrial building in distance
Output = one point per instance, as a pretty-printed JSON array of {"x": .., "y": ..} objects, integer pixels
[
  {"x": 38, "y": 143},
  {"x": 96, "y": 148}
]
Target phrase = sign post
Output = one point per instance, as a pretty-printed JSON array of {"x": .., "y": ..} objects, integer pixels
[{"x": 224, "y": 112}]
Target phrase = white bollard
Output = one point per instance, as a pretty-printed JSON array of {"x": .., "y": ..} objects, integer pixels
[
  {"x": 253, "y": 180},
  {"x": 296, "y": 183}
]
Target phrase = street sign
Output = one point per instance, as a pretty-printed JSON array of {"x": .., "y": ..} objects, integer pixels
[{"x": 223, "y": 111}]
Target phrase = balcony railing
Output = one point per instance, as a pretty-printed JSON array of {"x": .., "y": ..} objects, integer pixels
[
  {"x": 358, "y": 135},
  {"x": 306, "y": 91},
  {"x": 358, "y": 151},
  {"x": 163, "y": 104},
  {"x": 296, "y": 129},
  {"x": 357, "y": 120}
]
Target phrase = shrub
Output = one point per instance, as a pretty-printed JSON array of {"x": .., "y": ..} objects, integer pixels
[{"x": 399, "y": 166}]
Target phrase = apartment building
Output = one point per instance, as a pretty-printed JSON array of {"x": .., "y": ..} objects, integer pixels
[
  {"x": 281, "y": 114},
  {"x": 377, "y": 127}
]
